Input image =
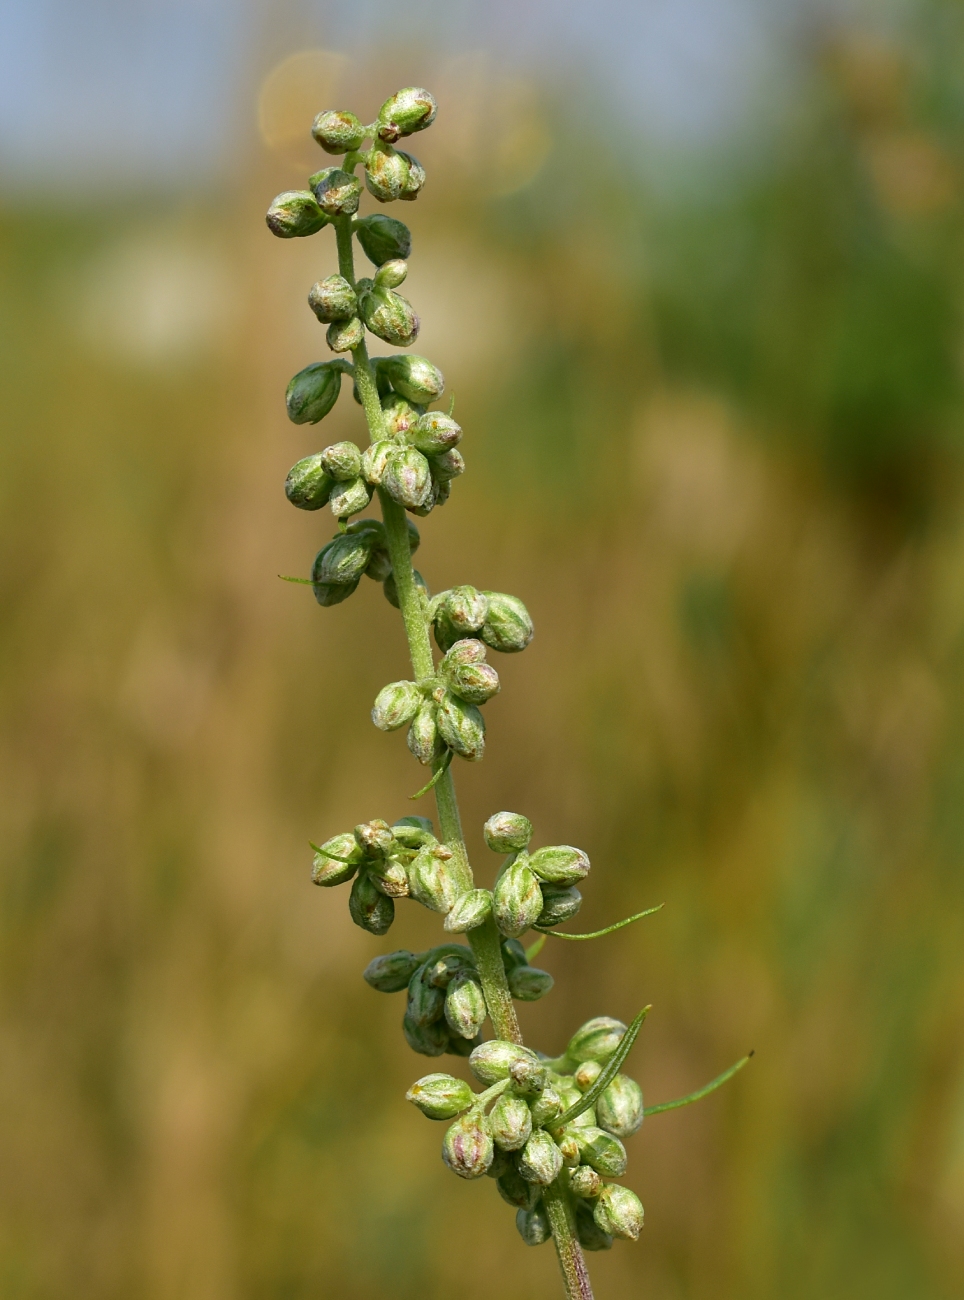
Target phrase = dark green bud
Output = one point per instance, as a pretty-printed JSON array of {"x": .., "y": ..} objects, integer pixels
[
  {"x": 343, "y": 335},
  {"x": 399, "y": 414},
  {"x": 465, "y": 1008},
  {"x": 379, "y": 567},
  {"x": 529, "y": 984},
  {"x": 427, "y": 1040},
  {"x": 343, "y": 560},
  {"x": 342, "y": 460},
  {"x": 369, "y": 907},
  {"x": 389, "y": 316},
  {"x": 414, "y": 377},
  {"x": 517, "y": 900},
  {"x": 507, "y": 627},
  {"x": 337, "y": 191},
  {"x": 619, "y": 1109},
  {"x": 596, "y": 1040},
  {"x": 308, "y": 486},
  {"x": 295, "y": 214},
  {"x": 585, "y": 1182},
  {"x": 414, "y": 832},
  {"x": 533, "y": 1225},
  {"x": 389, "y": 878},
  {"x": 510, "y": 1123},
  {"x": 425, "y": 1002},
  {"x": 440, "y": 1096},
  {"x": 619, "y": 1212},
  {"x": 386, "y": 173},
  {"x": 375, "y": 838},
  {"x": 559, "y": 905},
  {"x": 468, "y": 1149},
  {"x": 329, "y": 870},
  {"x": 441, "y": 973},
  {"x": 560, "y": 864},
  {"x": 459, "y": 1046},
  {"x": 396, "y": 705},
  {"x": 586, "y": 1075},
  {"x": 472, "y": 910},
  {"x": 348, "y": 498},
  {"x": 501, "y": 1164},
  {"x": 415, "y": 178},
  {"x": 383, "y": 239},
  {"x": 406, "y": 112},
  {"x": 513, "y": 954},
  {"x": 407, "y": 478},
  {"x": 514, "y": 1188},
  {"x": 423, "y": 737},
  {"x": 601, "y": 1151},
  {"x": 493, "y": 1060},
  {"x": 374, "y": 460},
  {"x": 531, "y": 1080},
  {"x": 507, "y": 832},
  {"x": 313, "y": 392},
  {"x": 541, "y": 1159},
  {"x": 447, "y": 465},
  {"x": 391, "y": 274},
  {"x": 432, "y": 880},
  {"x": 462, "y": 727},
  {"x": 332, "y": 299},
  {"x": 338, "y": 132},
  {"x": 546, "y": 1107},
  {"x": 391, "y": 973},
  {"x": 591, "y": 1236},
  {"x": 332, "y": 593},
  {"x": 474, "y": 683},
  {"x": 434, "y": 433}
]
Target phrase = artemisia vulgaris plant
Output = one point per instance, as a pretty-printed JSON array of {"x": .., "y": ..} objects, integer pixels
[{"x": 549, "y": 1131}]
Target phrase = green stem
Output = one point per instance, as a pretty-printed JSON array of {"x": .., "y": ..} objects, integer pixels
[{"x": 571, "y": 1261}]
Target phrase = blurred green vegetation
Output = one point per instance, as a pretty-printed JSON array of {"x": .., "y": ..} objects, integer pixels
[{"x": 714, "y": 442}]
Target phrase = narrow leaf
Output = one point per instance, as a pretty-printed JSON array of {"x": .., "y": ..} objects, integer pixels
[
  {"x": 703, "y": 1092},
  {"x": 609, "y": 1073},
  {"x": 334, "y": 856},
  {"x": 443, "y": 767},
  {"x": 534, "y": 949},
  {"x": 307, "y": 581},
  {"x": 597, "y": 934}
]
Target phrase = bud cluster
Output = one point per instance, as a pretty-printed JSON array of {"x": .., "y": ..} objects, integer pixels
[
  {"x": 533, "y": 890},
  {"x": 361, "y": 550},
  {"x": 501, "y": 621}
]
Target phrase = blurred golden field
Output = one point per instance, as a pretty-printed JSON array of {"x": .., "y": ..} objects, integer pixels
[{"x": 714, "y": 441}]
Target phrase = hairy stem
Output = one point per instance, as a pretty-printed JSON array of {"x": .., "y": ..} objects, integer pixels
[{"x": 571, "y": 1261}]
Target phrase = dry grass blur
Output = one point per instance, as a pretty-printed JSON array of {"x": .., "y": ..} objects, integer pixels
[{"x": 715, "y": 444}]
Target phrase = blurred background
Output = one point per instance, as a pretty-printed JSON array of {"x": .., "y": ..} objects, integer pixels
[{"x": 695, "y": 272}]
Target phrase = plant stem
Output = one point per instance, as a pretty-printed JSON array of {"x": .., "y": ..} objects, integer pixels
[{"x": 571, "y": 1261}]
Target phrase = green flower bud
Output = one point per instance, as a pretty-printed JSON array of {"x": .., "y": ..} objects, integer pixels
[
  {"x": 414, "y": 377},
  {"x": 533, "y": 1225},
  {"x": 313, "y": 392},
  {"x": 389, "y": 878},
  {"x": 510, "y": 1122},
  {"x": 343, "y": 335},
  {"x": 441, "y": 973},
  {"x": 513, "y": 954},
  {"x": 369, "y": 908},
  {"x": 462, "y": 728},
  {"x": 407, "y": 478},
  {"x": 507, "y": 832},
  {"x": 396, "y": 705},
  {"x": 427, "y": 1040},
  {"x": 379, "y": 567},
  {"x": 342, "y": 460},
  {"x": 529, "y": 984},
  {"x": 440, "y": 1096},
  {"x": 514, "y": 1189},
  {"x": 508, "y": 626},
  {"x": 466, "y": 651},
  {"x": 492, "y": 1061},
  {"x": 517, "y": 899},
  {"x": 591, "y": 1236},
  {"x": 570, "y": 1094},
  {"x": 414, "y": 832},
  {"x": 343, "y": 560},
  {"x": 374, "y": 460},
  {"x": 332, "y": 593},
  {"x": 374, "y": 838},
  {"x": 619, "y": 1212},
  {"x": 329, "y": 870},
  {"x": 447, "y": 465},
  {"x": 406, "y": 112},
  {"x": 391, "y": 274},
  {"x": 541, "y": 1159},
  {"x": 603, "y": 1152},
  {"x": 596, "y": 1040},
  {"x": 383, "y": 239},
  {"x": 332, "y": 299},
  {"x": 308, "y": 486},
  {"x": 472, "y": 910},
  {"x": 559, "y": 905},
  {"x": 399, "y": 414},
  {"x": 295, "y": 214},
  {"x": 620, "y": 1107},
  {"x": 560, "y": 865},
  {"x": 569, "y": 1147},
  {"x": 348, "y": 498},
  {"x": 338, "y": 131},
  {"x": 585, "y": 1182},
  {"x": 390, "y": 316},
  {"x": 386, "y": 173},
  {"x": 502, "y": 1163},
  {"x": 434, "y": 433},
  {"x": 466, "y": 609},
  {"x": 465, "y": 1008},
  {"x": 587, "y": 1074},
  {"x": 530, "y": 1079},
  {"x": 432, "y": 879},
  {"x": 426, "y": 1003},
  {"x": 546, "y": 1107},
  {"x": 337, "y": 191},
  {"x": 468, "y": 1149},
  {"x": 474, "y": 683},
  {"x": 423, "y": 738},
  {"x": 415, "y": 178},
  {"x": 391, "y": 973}
]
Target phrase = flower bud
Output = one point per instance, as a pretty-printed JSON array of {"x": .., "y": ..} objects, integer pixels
[
  {"x": 440, "y": 1096},
  {"x": 474, "y": 683},
  {"x": 396, "y": 705},
  {"x": 546, "y": 1107},
  {"x": 560, "y": 864},
  {"x": 507, "y": 832},
  {"x": 406, "y": 112},
  {"x": 399, "y": 414},
  {"x": 620, "y": 1107},
  {"x": 570, "y": 1095},
  {"x": 347, "y": 499},
  {"x": 343, "y": 335},
  {"x": 375, "y": 838},
  {"x": 587, "y": 1074},
  {"x": 308, "y": 486},
  {"x": 391, "y": 274},
  {"x": 530, "y": 1079},
  {"x": 390, "y": 316},
  {"x": 423, "y": 737},
  {"x": 559, "y": 905},
  {"x": 619, "y": 1212},
  {"x": 513, "y": 954},
  {"x": 413, "y": 832},
  {"x": 337, "y": 191},
  {"x": 389, "y": 878},
  {"x": 465, "y": 1008},
  {"x": 432, "y": 881},
  {"x": 468, "y": 1149},
  {"x": 414, "y": 377},
  {"x": 541, "y": 1159},
  {"x": 383, "y": 238},
  {"x": 441, "y": 973},
  {"x": 332, "y": 299},
  {"x": 313, "y": 392},
  {"x": 529, "y": 984},
  {"x": 517, "y": 899},
  {"x": 472, "y": 910},
  {"x": 585, "y": 1182},
  {"x": 508, "y": 626},
  {"x": 513, "y": 1188},
  {"x": 342, "y": 460},
  {"x": 379, "y": 567},
  {"x": 426, "y": 1003},
  {"x": 466, "y": 609},
  {"x": 332, "y": 593},
  {"x": 374, "y": 460},
  {"x": 510, "y": 1122},
  {"x": 569, "y": 1146},
  {"x": 533, "y": 1225},
  {"x": 446, "y": 466},
  {"x": 601, "y": 1151},
  {"x": 407, "y": 478},
  {"x": 294, "y": 214},
  {"x": 369, "y": 908},
  {"x": 391, "y": 591},
  {"x": 329, "y": 870},
  {"x": 338, "y": 132},
  {"x": 462, "y": 727},
  {"x": 434, "y": 433},
  {"x": 591, "y": 1236},
  {"x": 343, "y": 560},
  {"x": 391, "y": 973},
  {"x": 596, "y": 1040},
  {"x": 427, "y": 1040},
  {"x": 386, "y": 173},
  {"x": 491, "y": 1061},
  {"x": 415, "y": 178}
]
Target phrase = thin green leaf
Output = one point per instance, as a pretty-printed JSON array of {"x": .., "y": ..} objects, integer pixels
[
  {"x": 598, "y": 934},
  {"x": 307, "y": 581},
  {"x": 334, "y": 857},
  {"x": 703, "y": 1092},
  {"x": 451, "y": 406},
  {"x": 534, "y": 949},
  {"x": 443, "y": 767},
  {"x": 609, "y": 1073}
]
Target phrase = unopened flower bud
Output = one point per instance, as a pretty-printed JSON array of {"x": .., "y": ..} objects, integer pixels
[
  {"x": 510, "y": 1122},
  {"x": 407, "y": 478},
  {"x": 472, "y": 910},
  {"x": 427, "y": 1040},
  {"x": 330, "y": 870},
  {"x": 413, "y": 832},
  {"x": 541, "y": 1159},
  {"x": 396, "y": 705},
  {"x": 386, "y": 173},
  {"x": 343, "y": 335},
  {"x": 569, "y": 1146},
  {"x": 441, "y": 973},
  {"x": 546, "y": 1106},
  {"x": 391, "y": 972},
  {"x": 432, "y": 881},
  {"x": 332, "y": 299},
  {"x": 619, "y": 1109},
  {"x": 389, "y": 316},
  {"x": 337, "y": 191},
  {"x": 434, "y": 433},
  {"x": 423, "y": 737},
  {"x": 462, "y": 727},
  {"x": 492, "y": 1061},
  {"x": 605, "y": 1153},
  {"x": 585, "y": 1182},
  {"x": 308, "y": 486},
  {"x": 533, "y": 1225},
  {"x": 399, "y": 414},
  {"x": 465, "y": 1008},
  {"x": 426, "y": 1003},
  {"x": 337, "y": 131},
  {"x": 383, "y": 238},
  {"x": 343, "y": 560},
  {"x": 587, "y": 1074},
  {"x": 313, "y": 392},
  {"x": 440, "y": 1096},
  {"x": 295, "y": 214},
  {"x": 513, "y": 954},
  {"x": 517, "y": 900},
  {"x": 379, "y": 567},
  {"x": 591, "y": 1236},
  {"x": 508, "y": 626},
  {"x": 507, "y": 832},
  {"x": 415, "y": 378},
  {"x": 529, "y": 984},
  {"x": 374, "y": 460},
  {"x": 468, "y": 1149},
  {"x": 596, "y": 1040},
  {"x": 570, "y": 1095},
  {"x": 391, "y": 591},
  {"x": 390, "y": 878},
  {"x": 375, "y": 838},
  {"x": 415, "y": 178},
  {"x": 342, "y": 460},
  {"x": 474, "y": 683},
  {"x": 332, "y": 593},
  {"x": 347, "y": 499},
  {"x": 619, "y": 1212},
  {"x": 369, "y": 908},
  {"x": 406, "y": 112},
  {"x": 529, "y": 1079},
  {"x": 560, "y": 864},
  {"x": 466, "y": 609},
  {"x": 559, "y": 905},
  {"x": 446, "y": 466},
  {"x": 513, "y": 1188}
]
